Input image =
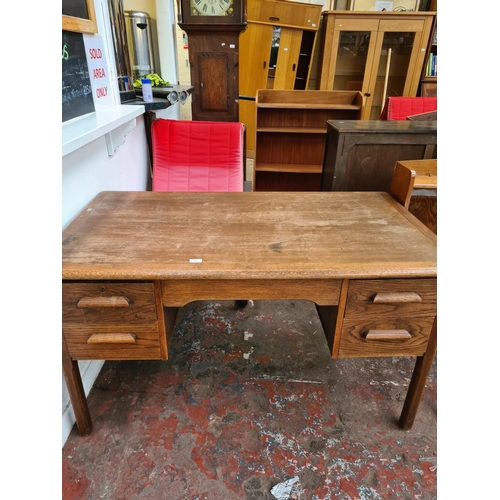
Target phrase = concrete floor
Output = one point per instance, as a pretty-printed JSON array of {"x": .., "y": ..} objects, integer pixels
[{"x": 248, "y": 399}]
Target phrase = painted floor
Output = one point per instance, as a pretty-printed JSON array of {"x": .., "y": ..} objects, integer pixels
[{"x": 251, "y": 398}]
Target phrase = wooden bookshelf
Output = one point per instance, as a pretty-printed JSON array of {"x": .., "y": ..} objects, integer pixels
[{"x": 291, "y": 127}]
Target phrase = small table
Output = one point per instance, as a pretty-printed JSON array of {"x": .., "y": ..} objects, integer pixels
[{"x": 131, "y": 259}]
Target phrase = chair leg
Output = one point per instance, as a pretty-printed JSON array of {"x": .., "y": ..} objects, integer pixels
[{"x": 240, "y": 304}]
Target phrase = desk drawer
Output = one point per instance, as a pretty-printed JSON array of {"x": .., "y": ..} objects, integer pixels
[
  {"x": 112, "y": 320},
  {"x": 391, "y": 297},
  {"x": 385, "y": 337},
  {"x": 113, "y": 342},
  {"x": 108, "y": 303}
]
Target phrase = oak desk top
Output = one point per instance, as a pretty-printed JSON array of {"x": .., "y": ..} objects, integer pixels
[{"x": 147, "y": 235}]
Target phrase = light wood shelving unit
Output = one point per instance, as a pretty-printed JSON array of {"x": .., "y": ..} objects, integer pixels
[{"x": 276, "y": 52}]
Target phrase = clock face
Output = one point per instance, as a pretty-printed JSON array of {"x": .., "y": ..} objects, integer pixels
[{"x": 212, "y": 7}]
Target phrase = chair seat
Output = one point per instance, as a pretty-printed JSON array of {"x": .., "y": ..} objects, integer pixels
[{"x": 197, "y": 156}]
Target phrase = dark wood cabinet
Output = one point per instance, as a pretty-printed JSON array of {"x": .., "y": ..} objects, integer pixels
[{"x": 361, "y": 155}]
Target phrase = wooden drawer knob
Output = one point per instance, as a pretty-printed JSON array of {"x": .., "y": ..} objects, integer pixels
[
  {"x": 97, "y": 302},
  {"x": 396, "y": 297},
  {"x": 111, "y": 338},
  {"x": 388, "y": 335}
]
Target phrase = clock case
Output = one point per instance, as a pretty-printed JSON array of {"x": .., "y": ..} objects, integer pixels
[
  {"x": 187, "y": 18},
  {"x": 213, "y": 59}
]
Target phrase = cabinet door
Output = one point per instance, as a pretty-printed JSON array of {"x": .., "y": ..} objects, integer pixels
[
  {"x": 349, "y": 53},
  {"x": 255, "y": 44},
  {"x": 214, "y": 75},
  {"x": 287, "y": 59},
  {"x": 398, "y": 61}
]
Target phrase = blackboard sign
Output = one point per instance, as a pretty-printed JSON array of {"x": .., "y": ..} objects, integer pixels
[
  {"x": 77, "y": 97},
  {"x": 79, "y": 15},
  {"x": 75, "y": 8}
]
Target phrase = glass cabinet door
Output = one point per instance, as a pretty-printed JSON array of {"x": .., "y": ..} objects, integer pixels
[
  {"x": 352, "y": 55},
  {"x": 352, "y": 51},
  {"x": 396, "y": 53}
]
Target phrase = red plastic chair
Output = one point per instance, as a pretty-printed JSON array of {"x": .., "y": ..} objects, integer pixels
[
  {"x": 198, "y": 155},
  {"x": 398, "y": 108}
]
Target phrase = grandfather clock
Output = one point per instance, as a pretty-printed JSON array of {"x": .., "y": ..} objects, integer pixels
[{"x": 213, "y": 28}]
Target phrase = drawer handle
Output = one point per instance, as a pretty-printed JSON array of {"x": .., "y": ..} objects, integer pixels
[
  {"x": 388, "y": 335},
  {"x": 103, "y": 302},
  {"x": 395, "y": 297},
  {"x": 112, "y": 338}
]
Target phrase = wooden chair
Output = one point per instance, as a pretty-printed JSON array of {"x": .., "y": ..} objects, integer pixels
[
  {"x": 414, "y": 185},
  {"x": 198, "y": 155}
]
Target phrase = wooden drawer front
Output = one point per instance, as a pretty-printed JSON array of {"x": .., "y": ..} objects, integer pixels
[
  {"x": 391, "y": 297},
  {"x": 118, "y": 342},
  {"x": 373, "y": 338},
  {"x": 283, "y": 14},
  {"x": 108, "y": 303}
]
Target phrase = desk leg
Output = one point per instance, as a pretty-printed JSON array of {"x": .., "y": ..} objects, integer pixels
[
  {"x": 418, "y": 379},
  {"x": 76, "y": 391}
]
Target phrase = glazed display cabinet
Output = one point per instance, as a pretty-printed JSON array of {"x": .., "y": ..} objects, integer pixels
[{"x": 380, "y": 54}]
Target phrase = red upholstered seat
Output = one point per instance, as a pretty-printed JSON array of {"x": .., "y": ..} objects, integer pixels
[
  {"x": 197, "y": 155},
  {"x": 398, "y": 108}
]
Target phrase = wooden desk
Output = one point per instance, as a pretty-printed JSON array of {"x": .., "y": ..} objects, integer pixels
[{"x": 131, "y": 259}]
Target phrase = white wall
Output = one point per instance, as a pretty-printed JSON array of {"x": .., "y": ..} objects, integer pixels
[{"x": 91, "y": 169}]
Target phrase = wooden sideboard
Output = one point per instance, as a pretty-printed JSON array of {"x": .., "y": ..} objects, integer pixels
[{"x": 361, "y": 155}]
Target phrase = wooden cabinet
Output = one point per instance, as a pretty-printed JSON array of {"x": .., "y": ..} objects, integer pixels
[
  {"x": 361, "y": 155},
  {"x": 381, "y": 54},
  {"x": 275, "y": 53},
  {"x": 291, "y": 135}
]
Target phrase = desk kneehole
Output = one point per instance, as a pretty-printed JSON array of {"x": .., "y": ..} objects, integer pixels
[{"x": 392, "y": 317}]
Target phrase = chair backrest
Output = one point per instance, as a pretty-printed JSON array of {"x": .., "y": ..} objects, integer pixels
[
  {"x": 398, "y": 108},
  {"x": 402, "y": 184},
  {"x": 414, "y": 185},
  {"x": 197, "y": 155}
]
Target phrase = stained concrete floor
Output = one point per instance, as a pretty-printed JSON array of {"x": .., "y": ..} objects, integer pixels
[{"x": 248, "y": 399}]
